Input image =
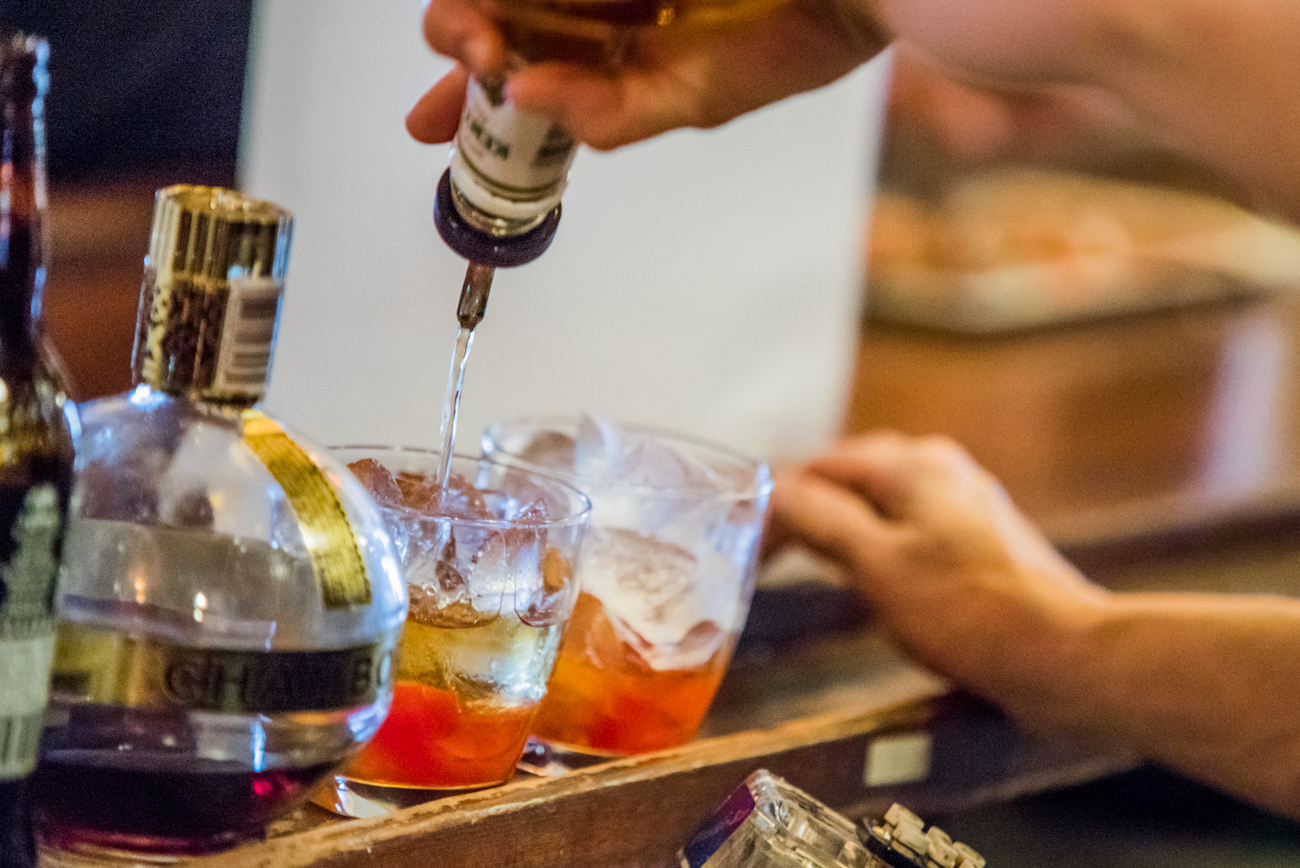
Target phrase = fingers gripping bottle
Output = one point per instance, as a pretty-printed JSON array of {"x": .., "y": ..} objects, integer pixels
[{"x": 498, "y": 203}]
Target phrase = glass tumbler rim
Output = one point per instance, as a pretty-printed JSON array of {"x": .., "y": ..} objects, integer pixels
[
  {"x": 758, "y": 475},
  {"x": 578, "y": 515}
]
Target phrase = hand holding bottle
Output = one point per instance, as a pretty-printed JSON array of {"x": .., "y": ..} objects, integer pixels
[
  {"x": 1213, "y": 80},
  {"x": 668, "y": 77}
]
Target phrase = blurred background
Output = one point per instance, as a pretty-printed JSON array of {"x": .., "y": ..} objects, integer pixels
[
  {"x": 143, "y": 94},
  {"x": 1105, "y": 325}
]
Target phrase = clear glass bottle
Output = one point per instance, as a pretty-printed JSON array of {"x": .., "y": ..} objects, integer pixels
[
  {"x": 37, "y": 424},
  {"x": 230, "y": 599}
]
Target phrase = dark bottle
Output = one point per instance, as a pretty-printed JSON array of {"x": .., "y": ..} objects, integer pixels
[{"x": 36, "y": 443}]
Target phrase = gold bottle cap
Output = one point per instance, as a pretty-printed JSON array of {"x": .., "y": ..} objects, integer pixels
[{"x": 210, "y": 302}]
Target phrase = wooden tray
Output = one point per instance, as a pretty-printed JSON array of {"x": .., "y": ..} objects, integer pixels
[{"x": 841, "y": 716}]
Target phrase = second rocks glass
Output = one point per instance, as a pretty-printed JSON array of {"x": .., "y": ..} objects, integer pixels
[{"x": 667, "y": 576}]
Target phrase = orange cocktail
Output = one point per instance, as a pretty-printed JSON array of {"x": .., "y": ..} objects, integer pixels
[
  {"x": 603, "y": 696},
  {"x": 441, "y": 731},
  {"x": 666, "y": 576},
  {"x": 489, "y": 560}
]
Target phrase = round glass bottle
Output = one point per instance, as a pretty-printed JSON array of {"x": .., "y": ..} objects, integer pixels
[{"x": 230, "y": 598}]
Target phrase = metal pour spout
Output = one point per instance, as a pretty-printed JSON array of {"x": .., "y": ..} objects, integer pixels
[{"x": 474, "y": 295}]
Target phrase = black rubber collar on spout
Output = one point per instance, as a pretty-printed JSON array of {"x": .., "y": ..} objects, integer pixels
[{"x": 497, "y": 251}]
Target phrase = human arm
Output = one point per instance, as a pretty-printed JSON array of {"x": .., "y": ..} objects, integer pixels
[{"x": 965, "y": 584}]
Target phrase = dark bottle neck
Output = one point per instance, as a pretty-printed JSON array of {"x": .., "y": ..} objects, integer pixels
[{"x": 22, "y": 191}]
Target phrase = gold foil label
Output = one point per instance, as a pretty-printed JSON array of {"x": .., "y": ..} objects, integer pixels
[
  {"x": 109, "y": 668},
  {"x": 330, "y": 539},
  {"x": 207, "y": 314}
]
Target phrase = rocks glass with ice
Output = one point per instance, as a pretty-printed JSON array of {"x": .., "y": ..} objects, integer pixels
[
  {"x": 666, "y": 580},
  {"x": 489, "y": 563}
]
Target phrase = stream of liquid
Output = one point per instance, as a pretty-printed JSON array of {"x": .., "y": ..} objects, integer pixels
[{"x": 451, "y": 403}]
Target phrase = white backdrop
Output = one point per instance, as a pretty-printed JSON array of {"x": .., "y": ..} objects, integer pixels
[{"x": 706, "y": 281}]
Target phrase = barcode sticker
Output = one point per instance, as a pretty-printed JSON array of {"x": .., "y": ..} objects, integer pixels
[{"x": 248, "y": 334}]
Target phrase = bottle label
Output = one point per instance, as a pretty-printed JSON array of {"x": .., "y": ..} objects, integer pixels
[
  {"x": 516, "y": 154},
  {"x": 27, "y": 588},
  {"x": 110, "y": 668},
  {"x": 248, "y": 335},
  {"x": 330, "y": 538}
]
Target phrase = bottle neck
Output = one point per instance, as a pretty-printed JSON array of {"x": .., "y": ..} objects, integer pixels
[
  {"x": 210, "y": 300},
  {"x": 22, "y": 192},
  {"x": 508, "y": 167},
  {"x": 210, "y": 344}
]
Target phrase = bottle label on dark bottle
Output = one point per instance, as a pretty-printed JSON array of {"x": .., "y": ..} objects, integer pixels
[{"x": 29, "y": 553}]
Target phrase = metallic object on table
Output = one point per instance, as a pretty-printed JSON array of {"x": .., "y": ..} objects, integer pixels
[{"x": 766, "y": 823}]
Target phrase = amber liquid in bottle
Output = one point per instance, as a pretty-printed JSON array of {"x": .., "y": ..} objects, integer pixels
[{"x": 598, "y": 31}]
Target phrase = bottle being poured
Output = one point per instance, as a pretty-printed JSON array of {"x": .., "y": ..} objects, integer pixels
[
  {"x": 498, "y": 206},
  {"x": 498, "y": 203}
]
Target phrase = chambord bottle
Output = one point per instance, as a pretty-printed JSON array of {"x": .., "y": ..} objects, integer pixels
[{"x": 230, "y": 599}]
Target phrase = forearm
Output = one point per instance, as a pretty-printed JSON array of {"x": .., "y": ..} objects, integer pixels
[
  {"x": 1205, "y": 685},
  {"x": 967, "y": 586},
  {"x": 1215, "y": 79}
]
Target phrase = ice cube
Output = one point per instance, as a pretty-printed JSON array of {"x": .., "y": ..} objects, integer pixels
[
  {"x": 378, "y": 481},
  {"x": 507, "y": 559},
  {"x": 608, "y": 452},
  {"x": 696, "y": 648},
  {"x": 549, "y": 598},
  {"x": 442, "y": 597},
  {"x": 419, "y": 492},
  {"x": 431, "y": 609},
  {"x": 602, "y": 644},
  {"x": 597, "y": 450},
  {"x": 498, "y": 663},
  {"x": 657, "y": 594},
  {"x": 650, "y": 463},
  {"x": 460, "y": 499},
  {"x": 552, "y": 450},
  {"x": 532, "y": 512}
]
